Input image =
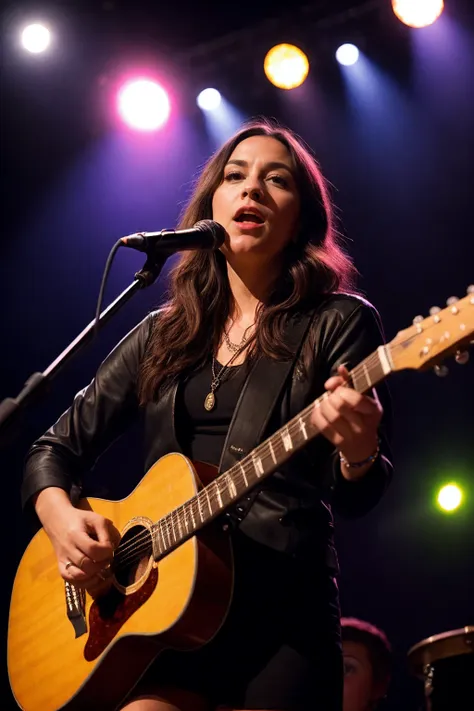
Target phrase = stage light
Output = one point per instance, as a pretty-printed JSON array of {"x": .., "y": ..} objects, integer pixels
[
  {"x": 143, "y": 104},
  {"x": 449, "y": 497},
  {"x": 209, "y": 99},
  {"x": 347, "y": 54},
  {"x": 418, "y": 13},
  {"x": 36, "y": 38},
  {"x": 286, "y": 66}
]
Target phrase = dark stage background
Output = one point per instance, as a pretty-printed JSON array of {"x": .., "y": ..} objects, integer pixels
[{"x": 395, "y": 138}]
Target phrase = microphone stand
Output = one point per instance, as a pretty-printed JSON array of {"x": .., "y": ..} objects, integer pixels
[{"x": 37, "y": 384}]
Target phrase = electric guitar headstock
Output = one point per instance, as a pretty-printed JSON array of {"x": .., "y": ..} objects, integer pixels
[{"x": 430, "y": 340}]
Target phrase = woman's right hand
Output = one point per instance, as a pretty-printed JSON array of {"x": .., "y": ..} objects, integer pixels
[{"x": 83, "y": 541}]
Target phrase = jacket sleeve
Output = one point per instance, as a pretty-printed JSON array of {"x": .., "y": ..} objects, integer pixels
[
  {"x": 97, "y": 416},
  {"x": 357, "y": 335}
]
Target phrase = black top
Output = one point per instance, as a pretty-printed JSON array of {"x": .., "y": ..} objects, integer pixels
[{"x": 201, "y": 433}]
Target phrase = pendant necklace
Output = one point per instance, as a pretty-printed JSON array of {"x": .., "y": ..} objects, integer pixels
[{"x": 237, "y": 348}]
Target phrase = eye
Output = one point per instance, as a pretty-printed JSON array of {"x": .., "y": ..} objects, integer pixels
[
  {"x": 349, "y": 668},
  {"x": 279, "y": 180},
  {"x": 234, "y": 175}
]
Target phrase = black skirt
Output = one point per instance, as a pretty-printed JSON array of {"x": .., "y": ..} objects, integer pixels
[{"x": 279, "y": 647}]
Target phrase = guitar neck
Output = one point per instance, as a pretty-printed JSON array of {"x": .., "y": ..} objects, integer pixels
[{"x": 232, "y": 485}]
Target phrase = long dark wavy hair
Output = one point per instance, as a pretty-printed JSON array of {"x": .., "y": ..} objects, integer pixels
[{"x": 189, "y": 327}]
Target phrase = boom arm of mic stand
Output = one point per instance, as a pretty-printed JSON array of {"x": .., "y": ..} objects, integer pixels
[{"x": 38, "y": 383}]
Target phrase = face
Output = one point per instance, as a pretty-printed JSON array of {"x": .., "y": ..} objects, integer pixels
[
  {"x": 257, "y": 202},
  {"x": 359, "y": 687}
]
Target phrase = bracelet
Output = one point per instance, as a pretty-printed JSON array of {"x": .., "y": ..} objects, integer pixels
[{"x": 358, "y": 465}]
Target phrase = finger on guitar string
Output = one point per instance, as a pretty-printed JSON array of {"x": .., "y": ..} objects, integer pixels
[
  {"x": 100, "y": 580},
  {"x": 75, "y": 562},
  {"x": 103, "y": 531}
]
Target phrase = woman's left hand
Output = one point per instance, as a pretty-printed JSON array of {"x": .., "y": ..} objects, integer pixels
[{"x": 348, "y": 419}]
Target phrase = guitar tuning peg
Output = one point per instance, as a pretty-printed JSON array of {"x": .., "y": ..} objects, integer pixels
[
  {"x": 470, "y": 289},
  {"x": 461, "y": 357},
  {"x": 434, "y": 310},
  {"x": 452, "y": 300},
  {"x": 418, "y": 319},
  {"x": 441, "y": 371}
]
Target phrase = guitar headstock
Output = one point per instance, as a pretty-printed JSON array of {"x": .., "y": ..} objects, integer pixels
[{"x": 429, "y": 340}]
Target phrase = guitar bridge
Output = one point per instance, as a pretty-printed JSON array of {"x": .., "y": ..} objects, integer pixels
[{"x": 75, "y": 608}]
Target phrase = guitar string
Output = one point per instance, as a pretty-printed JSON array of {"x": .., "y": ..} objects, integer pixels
[{"x": 206, "y": 495}]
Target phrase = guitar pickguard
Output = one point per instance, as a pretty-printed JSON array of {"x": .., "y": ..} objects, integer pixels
[{"x": 110, "y": 612}]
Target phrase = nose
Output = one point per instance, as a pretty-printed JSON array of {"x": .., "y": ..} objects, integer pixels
[{"x": 252, "y": 189}]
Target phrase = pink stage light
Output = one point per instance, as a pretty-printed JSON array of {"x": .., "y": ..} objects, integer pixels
[{"x": 143, "y": 104}]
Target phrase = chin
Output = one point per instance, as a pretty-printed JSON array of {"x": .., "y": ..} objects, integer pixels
[{"x": 243, "y": 244}]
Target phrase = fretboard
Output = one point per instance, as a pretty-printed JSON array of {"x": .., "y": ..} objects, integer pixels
[{"x": 184, "y": 521}]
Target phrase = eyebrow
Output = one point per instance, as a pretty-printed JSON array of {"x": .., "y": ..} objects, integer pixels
[{"x": 269, "y": 166}]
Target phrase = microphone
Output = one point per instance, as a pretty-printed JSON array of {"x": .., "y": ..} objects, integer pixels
[{"x": 206, "y": 234}]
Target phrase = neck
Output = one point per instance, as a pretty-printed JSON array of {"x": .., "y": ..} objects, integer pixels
[{"x": 250, "y": 288}]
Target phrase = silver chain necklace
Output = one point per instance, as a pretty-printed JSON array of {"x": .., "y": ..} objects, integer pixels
[{"x": 234, "y": 347}]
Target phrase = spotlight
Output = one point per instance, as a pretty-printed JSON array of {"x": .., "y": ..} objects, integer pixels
[
  {"x": 347, "y": 54},
  {"x": 143, "y": 104},
  {"x": 35, "y": 38},
  {"x": 286, "y": 66},
  {"x": 449, "y": 497},
  {"x": 209, "y": 99},
  {"x": 418, "y": 13}
]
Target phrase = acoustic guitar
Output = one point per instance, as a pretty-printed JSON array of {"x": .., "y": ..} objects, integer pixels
[{"x": 172, "y": 573}]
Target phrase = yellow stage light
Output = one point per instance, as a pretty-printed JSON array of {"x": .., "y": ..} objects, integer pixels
[
  {"x": 418, "y": 13},
  {"x": 286, "y": 66}
]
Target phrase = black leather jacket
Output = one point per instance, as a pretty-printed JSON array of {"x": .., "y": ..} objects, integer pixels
[{"x": 291, "y": 510}]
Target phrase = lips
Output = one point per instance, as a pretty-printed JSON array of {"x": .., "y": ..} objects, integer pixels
[{"x": 249, "y": 214}]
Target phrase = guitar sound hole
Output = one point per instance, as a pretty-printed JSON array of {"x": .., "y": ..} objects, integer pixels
[{"x": 132, "y": 557}]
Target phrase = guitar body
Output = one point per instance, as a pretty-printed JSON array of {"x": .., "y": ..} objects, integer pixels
[{"x": 179, "y": 602}]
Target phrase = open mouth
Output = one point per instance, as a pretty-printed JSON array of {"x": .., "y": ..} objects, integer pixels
[{"x": 249, "y": 217}]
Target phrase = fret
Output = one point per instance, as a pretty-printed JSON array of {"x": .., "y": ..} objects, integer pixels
[
  {"x": 302, "y": 424},
  {"x": 191, "y": 511},
  {"x": 366, "y": 373},
  {"x": 244, "y": 476},
  {"x": 161, "y": 540},
  {"x": 198, "y": 500},
  {"x": 272, "y": 451},
  {"x": 209, "y": 506},
  {"x": 180, "y": 530},
  {"x": 157, "y": 546},
  {"x": 266, "y": 460},
  {"x": 165, "y": 531},
  {"x": 219, "y": 497},
  {"x": 186, "y": 521},
  {"x": 384, "y": 359},
  {"x": 258, "y": 466},
  {"x": 355, "y": 381},
  {"x": 286, "y": 438},
  {"x": 171, "y": 525},
  {"x": 231, "y": 486},
  {"x": 298, "y": 438},
  {"x": 372, "y": 371}
]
